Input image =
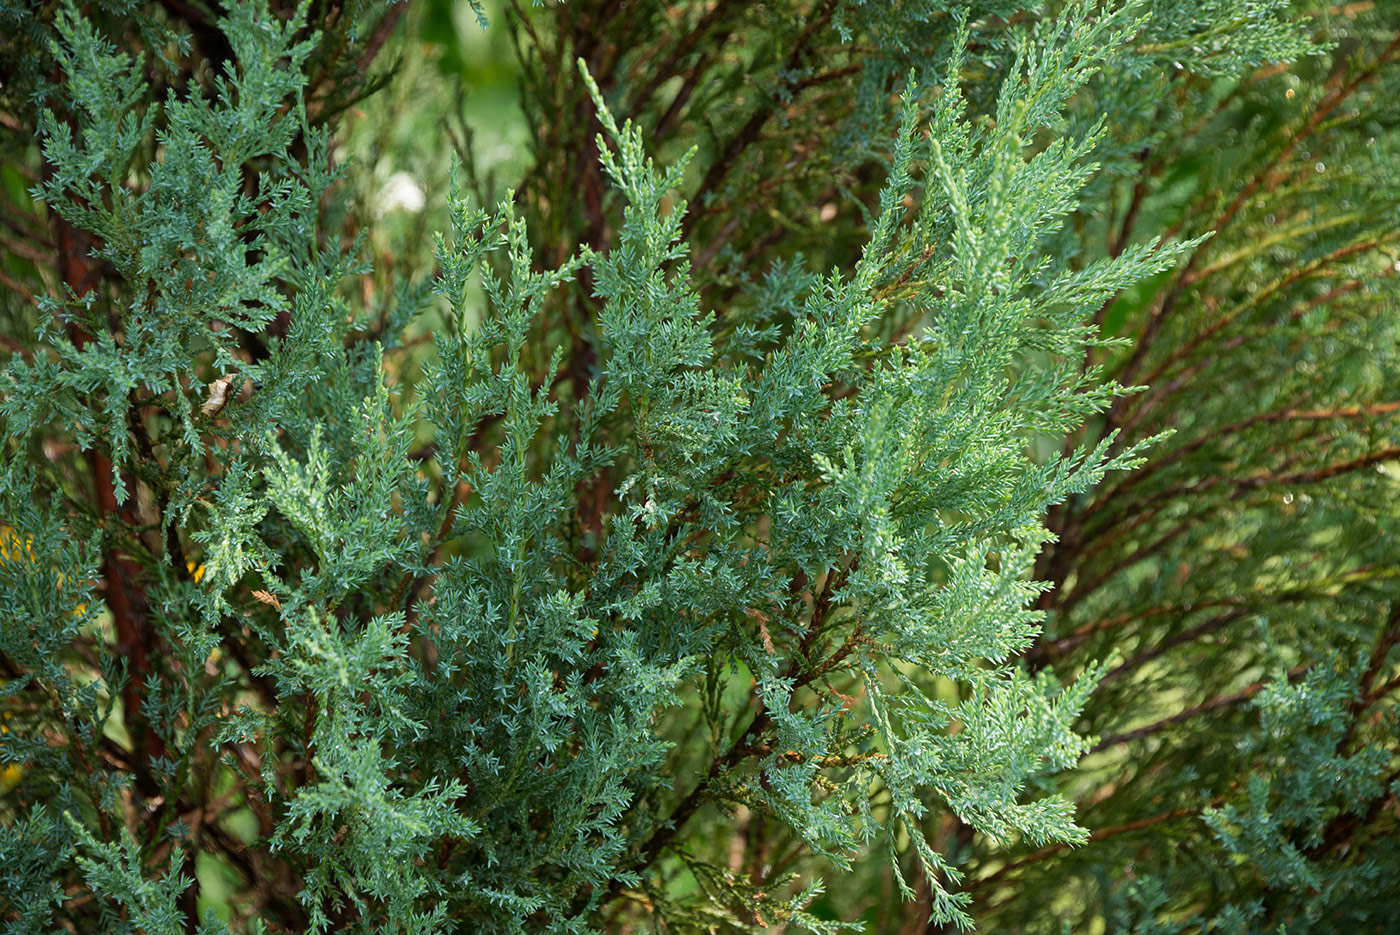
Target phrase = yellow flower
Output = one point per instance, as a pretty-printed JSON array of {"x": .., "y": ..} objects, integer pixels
[
  {"x": 10, "y": 777},
  {"x": 10, "y": 548},
  {"x": 10, "y": 773}
]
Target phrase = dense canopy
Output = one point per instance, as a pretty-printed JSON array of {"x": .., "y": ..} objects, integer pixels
[{"x": 699, "y": 466}]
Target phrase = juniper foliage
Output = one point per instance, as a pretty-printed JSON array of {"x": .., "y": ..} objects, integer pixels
[
  {"x": 1246, "y": 763},
  {"x": 702, "y": 553}
]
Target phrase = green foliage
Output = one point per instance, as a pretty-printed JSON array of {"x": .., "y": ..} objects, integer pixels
[
  {"x": 690, "y": 539},
  {"x": 1245, "y": 576}
]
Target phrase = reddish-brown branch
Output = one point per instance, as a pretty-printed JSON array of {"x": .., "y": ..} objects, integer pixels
[
  {"x": 1055, "y": 561},
  {"x": 10, "y": 283},
  {"x": 666, "y": 833},
  {"x": 1116, "y": 493},
  {"x": 1176, "y": 639},
  {"x": 1344, "y": 827},
  {"x": 1240, "y": 486},
  {"x": 749, "y": 133},
  {"x": 125, "y": 601},
  {"x": 687, "y": 44},
  {"x": 744, "y": 746},
  {"x": 1385, "y": 642},
  {"x": 123, "y": 593},
  {"x": 1316, "y": 475},
  {"x": 1100, "y": 835},
  {"x": 381, "y": 34},
  {"x": 1125, "y": 231},
  {"x": 1382, "y": 690},
  {"x": 1268, "y": 176},
  {"x": 1321, "y": 264},
  {"x": 1214, "y": 704},
  {"x": 1044, "y": 653},
  {"x": 1084, "y": 588}
]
